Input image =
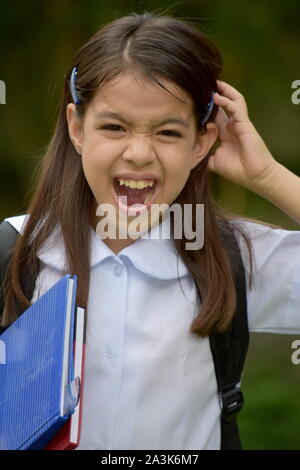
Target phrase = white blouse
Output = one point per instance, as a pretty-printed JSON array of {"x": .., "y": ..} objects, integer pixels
[{"x": 149, "y": 382}]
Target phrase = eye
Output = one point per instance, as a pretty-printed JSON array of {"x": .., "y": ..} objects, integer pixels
[
  {"x": 115, "y": 127},
  {"x": 172, "y": 133},
  {"x": 111, "y": 127}
]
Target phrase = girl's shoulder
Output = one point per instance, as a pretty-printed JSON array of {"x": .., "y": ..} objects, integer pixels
[
  {"x": 271, "y": 245},
  {"x": 253, "y": 227},
  {"x": 263, "y": 235}
]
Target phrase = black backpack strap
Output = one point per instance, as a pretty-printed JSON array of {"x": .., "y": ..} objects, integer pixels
[
  {"x": 8, "y": 237},
  {"x": 229, "y": 352}
]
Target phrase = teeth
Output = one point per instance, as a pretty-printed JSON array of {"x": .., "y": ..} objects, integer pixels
[{"x": 135, "y": 184}]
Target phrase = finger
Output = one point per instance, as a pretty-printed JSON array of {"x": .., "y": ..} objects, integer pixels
[
  {"x": 236, "y": 109},
  {"x": 221, "y": 117},
  {"x": 229, "y": 91}
]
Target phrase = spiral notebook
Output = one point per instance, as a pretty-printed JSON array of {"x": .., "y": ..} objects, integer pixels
[{"x": 40, "y": 372}]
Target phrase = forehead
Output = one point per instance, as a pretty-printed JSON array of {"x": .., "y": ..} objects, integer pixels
[{"x": 142, "y": 100}]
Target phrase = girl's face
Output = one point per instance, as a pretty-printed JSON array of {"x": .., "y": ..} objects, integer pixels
[{"x": 137, "y": 141}]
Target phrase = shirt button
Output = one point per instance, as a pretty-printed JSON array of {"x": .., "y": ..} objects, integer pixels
[
  {"x": 118, "y": 270},
  {"x": 111, "y": 353}
]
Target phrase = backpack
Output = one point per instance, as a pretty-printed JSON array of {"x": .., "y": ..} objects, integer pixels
[{"x": 228, "y": 349}]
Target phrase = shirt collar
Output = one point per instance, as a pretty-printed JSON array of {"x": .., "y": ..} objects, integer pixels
[
  {"x": 151, "y": 254},
  {"x": 155, "y": 255}
]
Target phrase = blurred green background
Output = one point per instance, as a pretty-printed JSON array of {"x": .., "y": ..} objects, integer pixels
[{"x": 260, "y": 44}]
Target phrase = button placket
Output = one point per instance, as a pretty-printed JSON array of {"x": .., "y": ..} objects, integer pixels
[
  {"x": 111, "y": 352},
  {"x": 113, "y": 344},
  {"x": 118, "y": 270}
]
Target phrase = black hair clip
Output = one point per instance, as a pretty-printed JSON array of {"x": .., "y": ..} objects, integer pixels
[{"x": 73, "y": 86}]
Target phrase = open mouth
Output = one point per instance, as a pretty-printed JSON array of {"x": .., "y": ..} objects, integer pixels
[{"x": 139, "y": 198}]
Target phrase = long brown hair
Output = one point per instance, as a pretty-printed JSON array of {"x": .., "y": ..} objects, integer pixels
[{"x": 158, "y": 46}]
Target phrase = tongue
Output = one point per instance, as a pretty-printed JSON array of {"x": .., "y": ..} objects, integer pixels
[{"x": 134, "y": 196}]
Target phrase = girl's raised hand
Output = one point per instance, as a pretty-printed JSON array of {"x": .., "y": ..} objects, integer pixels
[{"x": 242, "y": 155}]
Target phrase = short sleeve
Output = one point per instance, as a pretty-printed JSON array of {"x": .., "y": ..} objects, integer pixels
[{"x": 273, "y": 301}]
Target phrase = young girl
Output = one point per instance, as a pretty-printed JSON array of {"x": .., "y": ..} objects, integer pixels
[{"x": 142, "y": 102}]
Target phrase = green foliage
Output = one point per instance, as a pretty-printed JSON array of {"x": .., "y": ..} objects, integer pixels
[
  {"x": 260, "y": 46},
  {"x": 271, "y": 388}
]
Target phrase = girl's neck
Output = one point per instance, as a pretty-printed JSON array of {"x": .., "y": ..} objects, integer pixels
[{"x": 116, "y": 245}]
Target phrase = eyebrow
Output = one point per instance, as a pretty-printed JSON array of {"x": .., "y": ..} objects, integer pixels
[{"x": 120, "y": 117}]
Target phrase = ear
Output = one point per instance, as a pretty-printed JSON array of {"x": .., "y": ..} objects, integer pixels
[
  {"x": 203, "y": 143},
  {"x": 75, "y": 126}
]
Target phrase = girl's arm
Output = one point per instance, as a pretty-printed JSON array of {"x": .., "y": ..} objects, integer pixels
[
  {"x": 243, "y": 157},
  {"x": 281, "y": 187}
]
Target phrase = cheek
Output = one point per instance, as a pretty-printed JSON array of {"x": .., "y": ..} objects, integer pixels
[
  {"x": 95, "y": 144},
  {"x": 175, "y": 182},
  {"x": 99, "y": 155},
  {"x": 95, "y": 174},
  {"x": 177, "y": 167},
  {"x": 89, "y": 166},
  {"x": 96, "y": 161}
]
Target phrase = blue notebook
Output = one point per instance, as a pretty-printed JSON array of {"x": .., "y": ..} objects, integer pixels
[{"x": 38, "y": 391}]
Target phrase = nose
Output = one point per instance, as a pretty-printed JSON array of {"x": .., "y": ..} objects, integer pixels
[{"x": 139, "y": 150}]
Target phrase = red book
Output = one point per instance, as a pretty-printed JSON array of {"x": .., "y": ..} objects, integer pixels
[{"x": 68, "y": 437}]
